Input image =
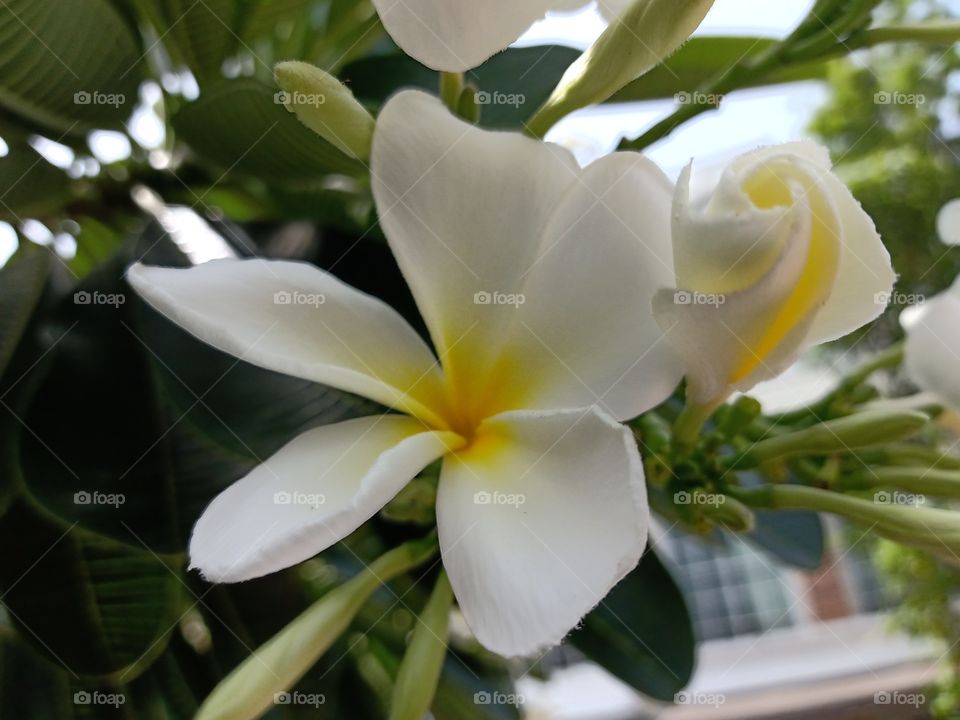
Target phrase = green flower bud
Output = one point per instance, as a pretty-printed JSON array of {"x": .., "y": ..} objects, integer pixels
[
  {"x": 423, "y": 661},
  {"x": 842, "y": 435},
  {"x": 251, "y": 689},
  {"x": 326, "y": 106},
  {"x": 647, "y": 33},
  {"x": 933, "y": 530}
]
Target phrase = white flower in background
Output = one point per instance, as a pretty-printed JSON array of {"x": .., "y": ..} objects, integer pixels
[
  {"x": 535, "y": 280},
  {"x": 932, "y": 349},
  {"x": 779, "y": 258},
  {"x": 457, "y": 35},
  {"x": 948, "y": 223}
]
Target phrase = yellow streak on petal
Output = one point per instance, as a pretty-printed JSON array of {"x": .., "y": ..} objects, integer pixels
[{"x": 767, "y": 189}]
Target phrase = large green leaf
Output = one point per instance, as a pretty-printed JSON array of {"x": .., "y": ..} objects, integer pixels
[
  {"x": 794, "y": 537},
  {"x": 57, "y": 70},
  {"x": 29, "y": 185},
  {"x": 94, "y": 606},
  {"x": 259, "y": 18},
  {"x": 198, "y": 34},
  {"x": 248, "y": 411},
  {"x": 704, "y": 58},
  {"x": 642, "y": 632},
  {"x": 239, "y": 126},
  {"x": 512, "y": 84},
  {"x": 22, "y": 281}
]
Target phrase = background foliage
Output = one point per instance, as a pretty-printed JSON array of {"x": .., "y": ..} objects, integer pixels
[{"x": 115, "y": 400}]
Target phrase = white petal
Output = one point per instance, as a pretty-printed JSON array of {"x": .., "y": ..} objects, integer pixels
[
  {"x": 463, "y": 210},
  {"x": 612, "y": 9},
  {"x": 456, "y": 35},
  {"x": 312, "y": 493},
  {"x": 865, "y": 277},
  {"x": 948, "y": 223},
  {"x": 721, "y": 337},
  {"x": 585, "y": 333},
  {"x": 538, "y": 520},
  {"x": 296, "y": 319},
  {"x": 933, "y": 346}
]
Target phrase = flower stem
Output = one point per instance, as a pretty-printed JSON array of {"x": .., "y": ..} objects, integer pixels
[
  {"x": 688, "y": 425},
  {"x": 451, "y": 85}
]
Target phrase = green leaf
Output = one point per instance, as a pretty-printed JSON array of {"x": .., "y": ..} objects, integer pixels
[
  {"x": 248, "y": 411},
  {"x": 92, "y": 605},
  {"x": 701, "y": 59},
  {"x": 259, "y": 18},
  {"x": 642, "y": 632},
  {"x": 515, "y": 82},
  {"x": 96, "y": 243},
  {"x": 22, "y": 281},
  {"x": 240, "y": 126},
  {"x": 198, "y": 34},
  {"x": 29, "y": 185},
  {"x": 57, "y": 70},
  {"x": 30, "y": 687},
  {"x": 794, "y": 537}
]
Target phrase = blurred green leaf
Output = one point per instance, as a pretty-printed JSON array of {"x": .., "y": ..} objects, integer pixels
[
  {"x": 29, "y": 185},
  {"x": 22, "y": 281},
  {"x": 642, "y": 632},
  {"x": 92, "y": 605},
  {"x": 259, "y": 18},
  {"x": 30, "y": 686},
  {"x": 96, "y": 243},
  {"x": 56, "y": 69},
  {"x": 794, "y": 537},
  {"x": 514, "y": 83},
  {"x": 198, "y": 34},
  {"x": 239, "y": 126}
]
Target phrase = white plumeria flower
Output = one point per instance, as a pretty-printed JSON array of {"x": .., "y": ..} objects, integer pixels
[
  {"x": 457, "y": 35},
  {"x": 932, "y": 349},
  {"x": 779, "y": 258},
  {"x": 535, "y": 279}
]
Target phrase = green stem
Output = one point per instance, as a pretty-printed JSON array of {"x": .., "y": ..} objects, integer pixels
[
  {"x": 686, "y": 429},
  {"x": 451, "y": 85}
]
